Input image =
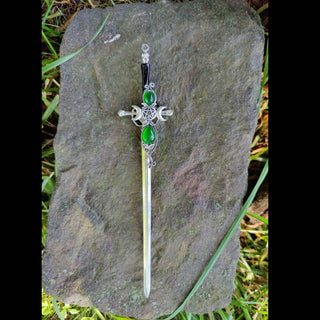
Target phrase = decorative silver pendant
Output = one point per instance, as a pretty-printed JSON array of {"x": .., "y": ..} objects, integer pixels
[{"x": 147, "y": 118}]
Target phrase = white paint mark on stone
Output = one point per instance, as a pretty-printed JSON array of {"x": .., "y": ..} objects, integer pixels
[{"x": 114, "y": 38}]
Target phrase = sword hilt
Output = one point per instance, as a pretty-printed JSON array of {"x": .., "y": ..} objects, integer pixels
[{"x": 145, "y": 65}]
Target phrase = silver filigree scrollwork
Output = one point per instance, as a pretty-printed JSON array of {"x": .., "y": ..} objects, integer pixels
[{"x": 145, "y": 54}]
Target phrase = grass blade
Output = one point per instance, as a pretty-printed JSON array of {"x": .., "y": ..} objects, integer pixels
[
  {"x": 211, "y": 316},
  {"x": 257, "y": 155},
  {"x": 45, "y": 181},
  {"x": 264, "y": 7},
  {"x": 49, "y": 44},
  {"x": 47, "y": 153},
  {"x": 182, "y": 316},
  {"x": 50, "y": 108},
  {"x": 67, "y": 57},
  {"x": 47, "y": 12},
  {"x": 99, "y": 313},
  {"x": 264, "y": 220},
  {"x": 224, "y": 242},
  {"x": 224, "y": 315},
  {"x": 54, "y": 301}
]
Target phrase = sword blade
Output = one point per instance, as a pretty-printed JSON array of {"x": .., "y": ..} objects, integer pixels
[{"x": 146, "y": 200}]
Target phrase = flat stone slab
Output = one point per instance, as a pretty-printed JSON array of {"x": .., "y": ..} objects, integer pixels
[{"x": 205, "y": 61}]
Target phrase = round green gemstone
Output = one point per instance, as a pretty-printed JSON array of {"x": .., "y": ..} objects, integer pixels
[
  {"x": 148, "y": 135},
  {"x": 148, "y": 97}
]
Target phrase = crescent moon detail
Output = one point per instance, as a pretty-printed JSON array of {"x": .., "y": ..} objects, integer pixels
[
  {"x": 138, "y": 112},
  {"x": 159, "y": 111}
]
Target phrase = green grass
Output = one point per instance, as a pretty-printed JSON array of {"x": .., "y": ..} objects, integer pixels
[{"x": 250, "y": 297}]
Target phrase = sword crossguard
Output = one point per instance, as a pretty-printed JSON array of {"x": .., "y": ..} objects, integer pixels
[{"x": 137, "y": 113}]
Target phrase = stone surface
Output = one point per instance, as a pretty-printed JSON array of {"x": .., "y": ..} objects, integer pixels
[{"x": 205, "y": 61}]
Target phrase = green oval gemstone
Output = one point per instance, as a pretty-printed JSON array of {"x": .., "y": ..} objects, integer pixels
[
  {"x": 148, "y": 135},
  {"x": 148, "y": 97}
]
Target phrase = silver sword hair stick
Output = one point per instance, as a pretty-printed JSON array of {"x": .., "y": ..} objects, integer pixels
[
  {"x": 146, "y": 188},
  {"x": 147, "y": 117}
]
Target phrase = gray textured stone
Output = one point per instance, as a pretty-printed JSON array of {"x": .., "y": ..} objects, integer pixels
[{"x": 205, "y": 60}]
